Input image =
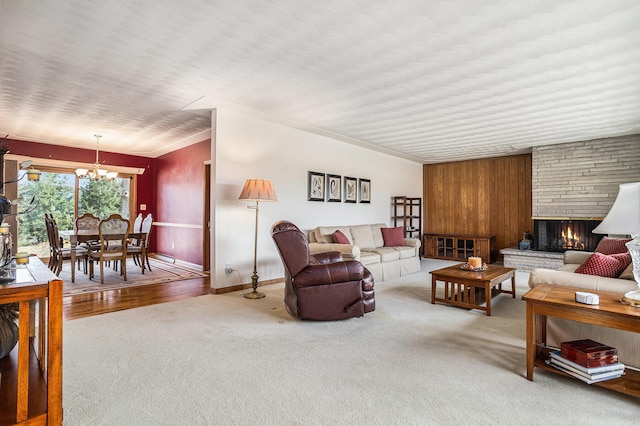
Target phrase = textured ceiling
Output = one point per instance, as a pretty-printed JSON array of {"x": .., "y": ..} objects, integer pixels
[{"x": 428, "y": 80}]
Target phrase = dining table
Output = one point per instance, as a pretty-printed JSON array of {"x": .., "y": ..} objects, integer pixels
[{"x": 89, "y": 235}]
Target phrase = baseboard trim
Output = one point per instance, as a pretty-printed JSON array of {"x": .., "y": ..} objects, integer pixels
[
  {"x": 224, "y": 290},
  {"x": 169, "y": 259}
]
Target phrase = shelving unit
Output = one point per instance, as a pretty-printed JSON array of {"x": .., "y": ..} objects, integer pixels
[
  {"x": 458, "y": 247},
  {"x": 407, "y": 212}
]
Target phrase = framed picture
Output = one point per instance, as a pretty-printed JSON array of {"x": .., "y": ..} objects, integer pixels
[
  {"x": 334, "y": 189},
  {"x": 350, "y": 189},
  {"x": 316, "y": 186},
  {"x": 364, "y": 187}
]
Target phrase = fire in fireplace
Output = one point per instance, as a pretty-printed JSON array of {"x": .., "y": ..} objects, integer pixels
[{"x": 562, "y": 235}]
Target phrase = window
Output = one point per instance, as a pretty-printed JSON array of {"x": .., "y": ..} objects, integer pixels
[{"x": 65, "y": 196}]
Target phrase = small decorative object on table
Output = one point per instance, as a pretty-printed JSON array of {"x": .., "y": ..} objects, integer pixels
[
  {"x": 22, "y": 258},
  {"x": 474, "y": 264},
  {"x": 527, "y": 242}
]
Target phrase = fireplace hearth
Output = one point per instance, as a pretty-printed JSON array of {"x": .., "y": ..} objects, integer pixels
[{"x": 558, "y": 235}]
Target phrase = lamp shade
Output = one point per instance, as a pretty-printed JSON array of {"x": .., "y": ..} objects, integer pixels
[
  {"x": 258, "y": 190},
  {"x": 624, "y": 216}
]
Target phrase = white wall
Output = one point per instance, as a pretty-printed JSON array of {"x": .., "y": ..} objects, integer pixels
[{"x": 247, "y": 147}]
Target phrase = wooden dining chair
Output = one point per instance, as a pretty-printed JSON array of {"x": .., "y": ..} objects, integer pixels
[
  {"x": 114, "y": 235},
  {"x": 88, "y": 222},
  {"x": 138, "y": 247},
  {"x": 57, "y": 252}
]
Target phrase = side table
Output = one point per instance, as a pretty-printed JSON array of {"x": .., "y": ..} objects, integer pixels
[{"x": 547, "y": 300}]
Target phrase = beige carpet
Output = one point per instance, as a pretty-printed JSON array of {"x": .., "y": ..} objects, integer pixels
[
  {"x": 160, "y": 272},
  {"x": 227, "y": 360}
]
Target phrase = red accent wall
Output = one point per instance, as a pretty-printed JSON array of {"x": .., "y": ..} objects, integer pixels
[
  {"x": 179, "y": 191},
  {"x": 65, "y": 153},
  {"x": 172, "y": 187}
]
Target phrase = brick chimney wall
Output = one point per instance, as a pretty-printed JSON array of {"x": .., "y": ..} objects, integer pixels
[{"x": 581, "y": 179}]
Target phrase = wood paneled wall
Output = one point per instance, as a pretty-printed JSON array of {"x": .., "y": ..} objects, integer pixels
[{"x": 479, "y": 197}]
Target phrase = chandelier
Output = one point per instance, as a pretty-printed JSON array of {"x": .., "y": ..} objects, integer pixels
[{"x": 98, "y": 173}]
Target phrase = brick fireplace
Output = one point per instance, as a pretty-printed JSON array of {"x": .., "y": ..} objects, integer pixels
[{"x": 573, "y": 186}]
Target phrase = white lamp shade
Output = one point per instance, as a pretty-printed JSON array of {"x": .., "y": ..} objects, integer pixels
[
  {"x": 624, "y": 216},
  {"x": 258, "y": 190}
]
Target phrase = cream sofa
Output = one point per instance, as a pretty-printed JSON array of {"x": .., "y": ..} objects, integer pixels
[
  {"x": 367, "y": 246},
  {"x": 559, "y": 330}
]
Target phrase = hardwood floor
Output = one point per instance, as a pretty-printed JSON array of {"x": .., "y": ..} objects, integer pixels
[{"x": 85, "y": 305}]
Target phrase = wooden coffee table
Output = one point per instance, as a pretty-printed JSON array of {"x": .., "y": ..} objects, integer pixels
[
  {"x": 469, "y": 289},
  {"x": 547, "y": 300}
]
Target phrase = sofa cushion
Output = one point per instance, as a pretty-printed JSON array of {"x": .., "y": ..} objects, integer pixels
[
  {"x": 376, "y": 230},
  {"x": 387, "y": 254},
  {"x": 604, "y": 265},
  {"x": 340, "y": 238},
  {"x": 627, "y": 274},
  {"x": 406, "y": 251},
  {"x": 324, "y": 234},
  {"x": 369, "y": 257},
  {"x": 362, "y": 236},
  {"x": 393, "y": 237},
  {"x": 612, "y": 245}
]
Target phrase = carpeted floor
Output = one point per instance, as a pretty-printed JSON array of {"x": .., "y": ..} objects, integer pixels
[
  {"x": 160, "y": 272},
  {"x": 227, "y": 360}
]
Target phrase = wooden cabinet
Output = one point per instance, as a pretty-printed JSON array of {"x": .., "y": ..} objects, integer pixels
[
  {"x": 31, "y": 391},
  {"x": 407, "y": 212},
  {"x": 459, "y": 247}
]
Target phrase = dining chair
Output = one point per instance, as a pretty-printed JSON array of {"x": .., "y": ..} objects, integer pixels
[
  {"x": 114, "y": 234},
  {"x": 88, "y": 222},
  {"x": 138, "y": 246},
  {"x": 57, "y": 252}
]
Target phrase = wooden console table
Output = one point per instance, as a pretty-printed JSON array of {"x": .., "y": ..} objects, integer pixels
[
  {"x": 546, "y": 300},
  {"x": 31, "y": 382}
]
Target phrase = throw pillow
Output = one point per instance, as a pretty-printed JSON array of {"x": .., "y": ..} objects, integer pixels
[
  {"x": 612, "y": 245},
  {"x": 340, "y": 238},
  {"x": 393, "y": 237},
  {"x": 604, "y": 265}
]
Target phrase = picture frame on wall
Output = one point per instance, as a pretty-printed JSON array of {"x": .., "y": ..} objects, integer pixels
[
  {"x": 316, "y": 186},
  {"x": 334, "y": 188},
  {"x": 364, "y": 189},
  {"x": 350, "y": 189}
]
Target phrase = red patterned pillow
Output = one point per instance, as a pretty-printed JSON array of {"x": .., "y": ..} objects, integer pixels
[
  {"x": 612, "y": 245},
  {"x": 393, "y": 237},
  {"x": 604, "y": 265},
  {"x": 340, "y": 238}
]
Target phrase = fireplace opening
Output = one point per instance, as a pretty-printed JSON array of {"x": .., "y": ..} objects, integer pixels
[{"x": 562, "y": 235}]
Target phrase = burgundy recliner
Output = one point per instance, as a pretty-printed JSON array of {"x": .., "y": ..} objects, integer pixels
[{"x": 321, "y": 286}]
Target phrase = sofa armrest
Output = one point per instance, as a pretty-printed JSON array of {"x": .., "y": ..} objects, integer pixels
[
  {"x": 578, "y": 257},
  {"x": 412, "y": 242},
  {"x": 346, "y": 250},
  {"x": 580, "y": 281}
]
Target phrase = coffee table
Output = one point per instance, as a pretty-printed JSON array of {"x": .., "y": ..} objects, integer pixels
[
  {"x": 547, "y": 300},
  {"x": 469, "y": 289}
]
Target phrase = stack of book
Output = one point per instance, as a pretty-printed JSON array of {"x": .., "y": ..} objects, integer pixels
[{"x": 587, "y": 360}]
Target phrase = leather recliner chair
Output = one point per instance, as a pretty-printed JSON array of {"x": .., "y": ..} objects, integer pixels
[{"x": 321, "y": 286}]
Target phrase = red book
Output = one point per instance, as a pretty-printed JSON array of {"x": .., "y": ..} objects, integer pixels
[
  {"x": 587, "y": 351},
  {"x": 594, "y": 362}
]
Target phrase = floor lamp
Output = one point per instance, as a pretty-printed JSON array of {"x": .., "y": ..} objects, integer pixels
[
  {"x": 256, "y": 190},
  {"x": 624, "y": 218}
]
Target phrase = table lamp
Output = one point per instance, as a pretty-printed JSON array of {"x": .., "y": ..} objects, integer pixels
[
  {"x": 624, "y": 218},
  {"x": 256, "y": 190}
]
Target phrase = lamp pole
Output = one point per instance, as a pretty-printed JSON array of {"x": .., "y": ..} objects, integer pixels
[{"x": 254, "y": 278}]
